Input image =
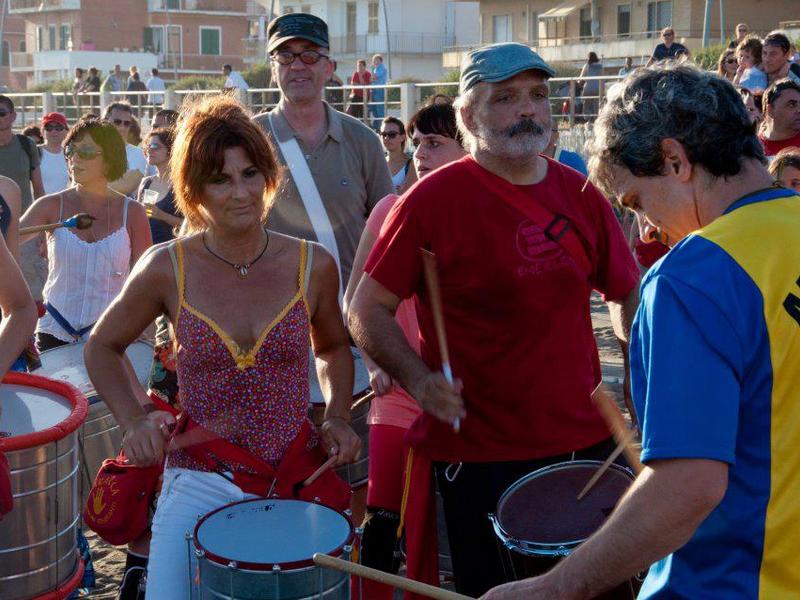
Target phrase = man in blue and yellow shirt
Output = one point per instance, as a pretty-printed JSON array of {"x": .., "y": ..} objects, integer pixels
[{"x": 715, "y": 354}]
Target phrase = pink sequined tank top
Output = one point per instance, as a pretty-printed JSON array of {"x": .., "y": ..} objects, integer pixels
[{"x": 257, "y": 399}]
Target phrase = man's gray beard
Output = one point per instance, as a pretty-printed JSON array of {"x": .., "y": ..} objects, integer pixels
[{"x": 522, "y": 145}]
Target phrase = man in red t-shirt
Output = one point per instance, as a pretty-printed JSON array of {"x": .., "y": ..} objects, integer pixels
[
  {"x": 520, "y": 242},
  {"x": 781, "y": 117}
]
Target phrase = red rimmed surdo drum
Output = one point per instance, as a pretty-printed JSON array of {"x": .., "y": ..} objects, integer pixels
[
  {"x": 39, "y": 423},
  {"x": 539, "y": 519}
]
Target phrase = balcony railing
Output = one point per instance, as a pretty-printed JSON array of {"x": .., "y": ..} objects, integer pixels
[
  {"x": 222, "y": 6},
  {"x": 21, "y": 61},
  {"x": 28, "y": 6},
  {"x": 399, "y": 43}
]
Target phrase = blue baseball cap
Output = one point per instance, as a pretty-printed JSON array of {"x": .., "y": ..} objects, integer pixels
[{"x": 498, "y": 62}]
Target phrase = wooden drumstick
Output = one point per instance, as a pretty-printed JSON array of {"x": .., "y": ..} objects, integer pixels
[
  {"x": 323, "y": 467},
  {"x": 369, "y": 396},
  {"x": 432, "y": 281},
  {"x": 604, "y": 467},
  {"x": 616, "y": 423},
  {"x": 408, "y": 585},
  {"x": 78, "y": 221}
]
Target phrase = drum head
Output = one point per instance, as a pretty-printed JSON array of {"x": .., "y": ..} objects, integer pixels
[
  {"x": 541, "y": 509},
  {"x": 360, "y": 377},
  {"x": 259, "y": 534},
  {"x": 28, "y": 409},
  {"x": 65, "y": 363}
]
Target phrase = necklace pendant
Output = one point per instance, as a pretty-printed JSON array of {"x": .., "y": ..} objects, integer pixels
[{"x": 242, "y": 269}]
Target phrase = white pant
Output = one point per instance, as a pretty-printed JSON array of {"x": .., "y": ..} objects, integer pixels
[{"x": 186, "y": 495}]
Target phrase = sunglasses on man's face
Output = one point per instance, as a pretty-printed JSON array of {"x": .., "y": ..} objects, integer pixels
[
  {"x": 50, "y": 127},
  {"x": 153, "y": 146},
  {"x": 389, "y": 134},
  {"x": 124, "y": 123},
  {"x": 81, "y": 152},
  {"x": 307, "y": 57},
  {"x": 669, "y": 35}
]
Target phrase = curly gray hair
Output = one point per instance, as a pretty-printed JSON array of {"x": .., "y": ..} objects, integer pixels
[{"x": 699, "y": 109}]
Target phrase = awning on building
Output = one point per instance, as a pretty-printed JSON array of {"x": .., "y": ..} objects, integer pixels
[{"x": 563, "y": 10}]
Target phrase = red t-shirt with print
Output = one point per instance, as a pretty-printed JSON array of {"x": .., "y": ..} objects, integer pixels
[{"x": 516, "y": 307}]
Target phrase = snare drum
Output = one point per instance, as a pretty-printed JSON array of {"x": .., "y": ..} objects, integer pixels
[
  {"x": 539, "y": 519},
  {"x": 101, "y": 437},
  {"x": 262, "y": 549},
  {"x": 357, "y": 473},
  {"x": 39, "y": 425}
]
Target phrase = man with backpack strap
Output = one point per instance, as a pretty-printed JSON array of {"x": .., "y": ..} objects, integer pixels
[{"x": 19, "y": 160}]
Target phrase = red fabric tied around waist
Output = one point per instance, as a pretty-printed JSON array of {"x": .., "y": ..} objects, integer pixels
[{"x": 255, "y": 476}]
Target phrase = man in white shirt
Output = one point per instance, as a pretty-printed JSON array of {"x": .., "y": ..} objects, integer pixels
[
  {"x": 55, "y": 176},
  {"x": 234, "y": 79},
  {"x": 156, "y": 84},
  {"x": 120, "y": 115}
]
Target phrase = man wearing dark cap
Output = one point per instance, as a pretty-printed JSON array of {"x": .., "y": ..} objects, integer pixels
[
  {"x": 520, "y": 243},
  {"x": 336, "y": 171}
]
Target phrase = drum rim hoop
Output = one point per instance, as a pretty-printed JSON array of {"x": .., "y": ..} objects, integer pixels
[
  {"x": 58, "y": 431},
  {"x": 544, "y": 548},
  {"x": 285, "y": 566}
]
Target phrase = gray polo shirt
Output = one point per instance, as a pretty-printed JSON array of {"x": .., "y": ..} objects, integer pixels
[{"x": 351, "y": 175}]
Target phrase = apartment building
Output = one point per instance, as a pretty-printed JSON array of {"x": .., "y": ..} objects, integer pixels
[
  {"x": 567, "y": 32},
  {"x": 12, "y": 34},
  {"x": 180, "y": 37},
  {"x": 410, "y": 34}
]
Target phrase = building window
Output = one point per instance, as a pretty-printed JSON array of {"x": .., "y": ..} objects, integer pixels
[
  {"x": 23, "y": 47},
  {"x": 501, "y": 28},
  {"x": 372, "y": 17},
  {"x": 533, "y": 28},
  {"x": 173, "y": 4},
  {"x": 210, "y": 41},
  {"x": 51, "y": 37},
  {"x": 65, "y": 37},
  {"x": 586, "y": 23},
  {"x": 4, "y": 61},
  {"x": 624, "y": 20},
  {"x": 659, "y": 15}
]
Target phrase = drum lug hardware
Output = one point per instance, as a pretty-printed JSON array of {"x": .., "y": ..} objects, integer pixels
[
  {"x": 199, "y": 553},
  {"x": 276, "y": 568},
  {"x": 347, "y": 549},
  {"x": 348, "y": 512},
  {"x": 317, "y": 500},
  {"x": 232, "y": 565},
  {"x": 451, "y": 476}
]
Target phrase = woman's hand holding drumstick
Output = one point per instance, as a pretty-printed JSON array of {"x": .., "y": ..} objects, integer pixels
[
  {"x": 78, "y": 221},
  {"x": 448, "y": 405}
]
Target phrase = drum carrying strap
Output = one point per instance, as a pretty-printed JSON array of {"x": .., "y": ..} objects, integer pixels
[
  {"x": 66, "y": 325},
  {"x": 307, "y": 188}
]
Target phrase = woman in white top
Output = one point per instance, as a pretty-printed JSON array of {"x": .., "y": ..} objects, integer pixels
[
  {"x": 87, "y": 268},
  {"x": 55, "y": 176},
  {"x": 401, "y": 167}
]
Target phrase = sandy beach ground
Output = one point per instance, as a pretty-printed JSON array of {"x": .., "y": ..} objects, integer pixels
[{"x": 109, "y": 561}]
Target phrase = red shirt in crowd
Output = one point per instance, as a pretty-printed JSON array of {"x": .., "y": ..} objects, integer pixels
[
  {"x": 360, "y": 79},
  {"x": 516, "y": 308},
  {"x": 772, "y": 148}
]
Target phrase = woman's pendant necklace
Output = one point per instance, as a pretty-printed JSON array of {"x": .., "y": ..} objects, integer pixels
[{"x": 241, "y": 270}]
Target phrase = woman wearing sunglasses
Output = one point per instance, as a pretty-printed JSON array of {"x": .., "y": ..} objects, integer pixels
[
  {"x": 87, "y": 268},
  {"x": 727, "y": 64},
  {"x": 155, "y": 191},
  {"x": 437, "y": 142},
  {"x": 401, "y": 166}
]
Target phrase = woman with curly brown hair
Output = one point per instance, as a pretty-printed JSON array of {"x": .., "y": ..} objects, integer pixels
[{"x": 244, "y": 301}]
